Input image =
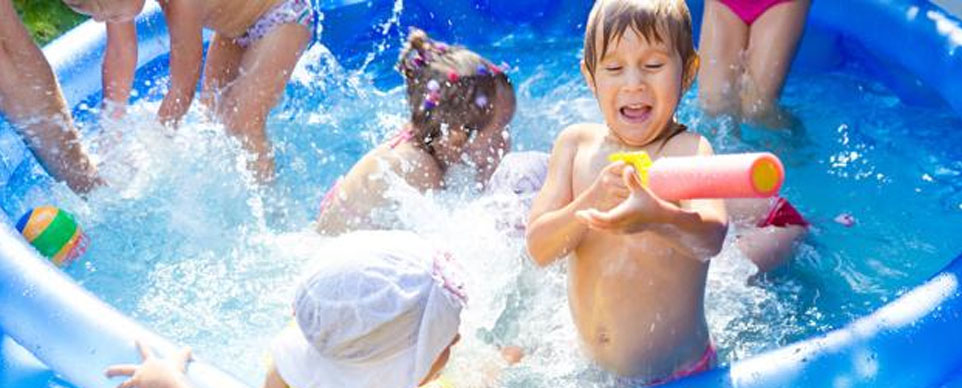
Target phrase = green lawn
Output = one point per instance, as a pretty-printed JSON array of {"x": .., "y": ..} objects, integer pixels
[{"x": 46, "y": 19}]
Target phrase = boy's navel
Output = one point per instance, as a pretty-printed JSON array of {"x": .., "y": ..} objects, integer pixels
[{"x": 602, "y": 337}]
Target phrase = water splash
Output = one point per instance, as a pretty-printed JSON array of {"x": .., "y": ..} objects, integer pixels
[{"x": 185, "y": 242}]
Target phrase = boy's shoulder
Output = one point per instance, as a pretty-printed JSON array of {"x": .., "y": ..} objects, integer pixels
[
  {"x": 585, "y": 127},
  {"x": 580, "y": 132},
  {"x": 687, "y": 143}
]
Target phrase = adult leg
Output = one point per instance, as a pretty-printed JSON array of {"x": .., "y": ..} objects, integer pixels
[
  {"x": 773, "y": 39},
  {"x": 724, "y": 37},
  {"x": 31, "y": 99},
  {"x": 220, "y": 69},
  {"x": 265, "y": 68}
]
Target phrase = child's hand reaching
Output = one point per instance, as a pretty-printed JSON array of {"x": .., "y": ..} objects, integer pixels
[
  {"x": 154, "y": 372},
  {"x": 638, "y": 208},
  {"x": 609, "y": 188}
]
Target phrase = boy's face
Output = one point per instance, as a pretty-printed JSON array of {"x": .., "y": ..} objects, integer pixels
[
  {"x": 638, "y": 84},
  {"x": 113, "y": 11}
]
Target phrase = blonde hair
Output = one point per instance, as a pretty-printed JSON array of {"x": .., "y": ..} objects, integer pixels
[
  {"x": 448, "y": 87},
  {"x": 650, "y": 19}
]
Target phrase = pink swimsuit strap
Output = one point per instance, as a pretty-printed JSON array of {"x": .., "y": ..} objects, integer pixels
[
  {"x": 329, "y": 196},
  {"x": 707, "y": 361},
  {"x": 406, "y": 134}
]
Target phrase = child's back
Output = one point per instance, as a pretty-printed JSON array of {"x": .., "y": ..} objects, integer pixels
[
  {"x": 460, "y": 105},
  {"x": 637, "y": 273},
  {"x": 349, "y": 204}
]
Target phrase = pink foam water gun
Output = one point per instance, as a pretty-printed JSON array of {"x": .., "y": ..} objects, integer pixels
[{"x": 717, "y": 176}]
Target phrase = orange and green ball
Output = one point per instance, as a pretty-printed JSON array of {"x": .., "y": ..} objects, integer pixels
[{"x": 54, "y": 233}]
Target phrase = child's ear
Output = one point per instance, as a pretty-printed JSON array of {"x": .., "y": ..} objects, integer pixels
[
  {"x": 588, "y": 77},
  {"x": 691, "y": 71}
]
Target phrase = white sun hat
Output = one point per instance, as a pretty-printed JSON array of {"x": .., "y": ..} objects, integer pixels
[
  {"x": 377, "y": 310},
  {"x": 520, "y": 173}
]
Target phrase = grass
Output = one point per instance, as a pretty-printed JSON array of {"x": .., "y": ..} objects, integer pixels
[{"x": 46, "y": 19}]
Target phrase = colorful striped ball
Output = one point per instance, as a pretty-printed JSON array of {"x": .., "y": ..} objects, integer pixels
[{"x": 54, "y": 233}]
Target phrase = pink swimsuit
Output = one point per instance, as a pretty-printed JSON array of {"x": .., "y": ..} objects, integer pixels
[
  {"x": 707, "y": 361},
  {"x": 783, "y": 214},
  {"x": 290, "y": 11},
  {"x": 750, "y": 10}
]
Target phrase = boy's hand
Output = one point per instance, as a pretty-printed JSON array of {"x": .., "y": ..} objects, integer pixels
[
  {"x": 641, "y": 207},
  {"x": 609, "y": 188},
  {"x": 154, "y": 372}
]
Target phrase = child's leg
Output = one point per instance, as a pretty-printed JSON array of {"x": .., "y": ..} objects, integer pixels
[
  {"x": 265, "y": 68},
  {"x": 220, "y": 69},
  {"x": 31, "y": 99},
  {"x": 724, "y": 37},
  {"x": 773, "y": 39}
]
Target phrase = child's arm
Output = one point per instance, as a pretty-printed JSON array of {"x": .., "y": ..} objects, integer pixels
[
  {"x": 699, "y": 224},
  {"x": 120, "y": 63},
  {"x": 553, "y": 231},
  {"x": 186, "y": 55},
  {"x": 273, "y": 379},
  {"x": 153, "y": 372},
  {"x": 30, "y": 98}
]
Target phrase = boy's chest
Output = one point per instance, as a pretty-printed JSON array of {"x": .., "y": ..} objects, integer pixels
[{"x": 592, "y": 157}]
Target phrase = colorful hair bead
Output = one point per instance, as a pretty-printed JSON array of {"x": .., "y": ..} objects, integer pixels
[
  {"x": 482, "y": 70},
  {"x": 481, "y": 101},
  {"x": 432, "y": 100},
  {"x": 433, "y": 85},
  {"x": 453, "y": 76}
]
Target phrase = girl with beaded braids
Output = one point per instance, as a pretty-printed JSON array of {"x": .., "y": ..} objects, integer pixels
[{"x": 460, "y": 106}]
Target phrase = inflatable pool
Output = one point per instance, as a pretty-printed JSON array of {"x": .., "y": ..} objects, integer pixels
[{"x": 55, "y": 334}]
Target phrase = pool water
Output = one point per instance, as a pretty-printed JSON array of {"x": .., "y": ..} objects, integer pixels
[{"x": 184, "y": 242}]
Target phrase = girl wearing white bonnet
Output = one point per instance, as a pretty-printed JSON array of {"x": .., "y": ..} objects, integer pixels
[
  {"x": 371, "y": 314},
  {"x": 380, "y": 309}
]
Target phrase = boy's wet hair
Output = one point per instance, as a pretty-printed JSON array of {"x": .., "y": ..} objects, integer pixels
[
  {"x": 448, "y": 88},
  {"x": 650, "y": 19}
]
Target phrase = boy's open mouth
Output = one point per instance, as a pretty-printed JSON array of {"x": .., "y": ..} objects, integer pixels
[{"x": 635, "y": 113}]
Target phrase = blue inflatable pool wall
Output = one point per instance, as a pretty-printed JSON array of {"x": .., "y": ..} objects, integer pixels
[{"x": 55, "y": 334}]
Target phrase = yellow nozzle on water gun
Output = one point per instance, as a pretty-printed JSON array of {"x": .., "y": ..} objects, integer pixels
[{"x": 638, "y": 159}]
